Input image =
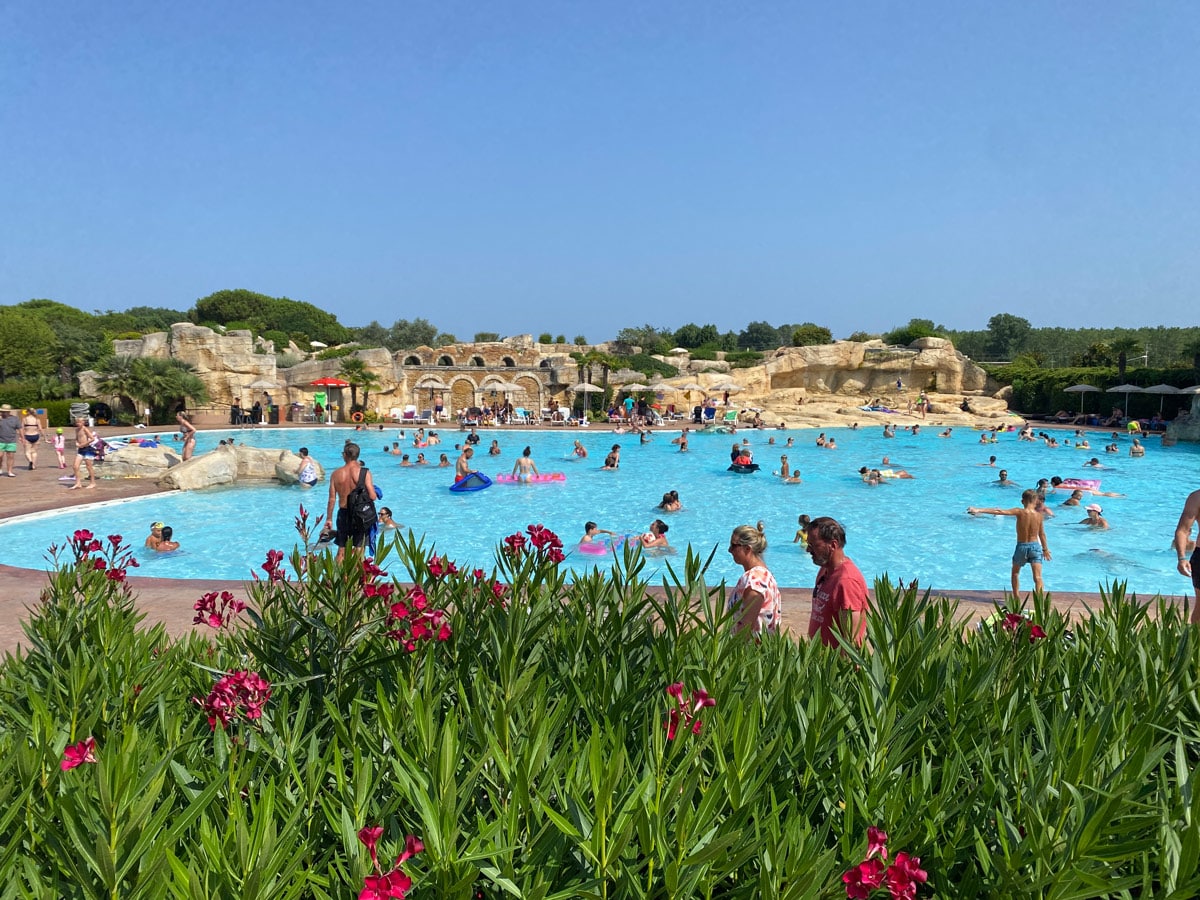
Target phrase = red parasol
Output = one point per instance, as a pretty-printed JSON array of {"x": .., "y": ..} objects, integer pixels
[{"x": 330, "y": 382}]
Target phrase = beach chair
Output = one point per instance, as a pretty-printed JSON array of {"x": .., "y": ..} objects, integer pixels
[
  {"x": 426, "y": 417},
  {"x": 730, "y": 418},
  {"x": 409, "y": 414},
  {"x": 520, "y": 415},
  {"x": 710, "y": 413}
]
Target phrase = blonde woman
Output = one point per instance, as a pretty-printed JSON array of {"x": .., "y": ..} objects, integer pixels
[{"x": 756, "y": 596}]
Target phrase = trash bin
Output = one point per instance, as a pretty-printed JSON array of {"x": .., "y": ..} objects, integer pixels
[{"x": 273, "y": 416}]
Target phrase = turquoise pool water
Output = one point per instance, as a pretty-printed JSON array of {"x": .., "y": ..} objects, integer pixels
[{"x": 908, "y": 529}]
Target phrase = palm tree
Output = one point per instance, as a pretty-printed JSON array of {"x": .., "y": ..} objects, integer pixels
[
  {"x": 355, "y": 371},
  {"x": 1124, "y": 347},
  {"x": 152, "y": 382}
]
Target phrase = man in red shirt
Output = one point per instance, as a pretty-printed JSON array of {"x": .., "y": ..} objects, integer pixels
[{"x": 840, "y": 594}]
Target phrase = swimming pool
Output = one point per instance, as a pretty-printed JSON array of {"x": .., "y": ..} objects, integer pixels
[{"x": 908, "y": 529}]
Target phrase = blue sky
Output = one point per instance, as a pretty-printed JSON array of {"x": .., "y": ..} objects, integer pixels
[{"x": 581, "y": 167}]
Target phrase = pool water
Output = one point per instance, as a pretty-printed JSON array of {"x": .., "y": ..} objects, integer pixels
[{"x": 909, "y": 529}]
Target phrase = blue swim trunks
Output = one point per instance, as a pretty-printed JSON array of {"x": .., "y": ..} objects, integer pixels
[{"x": 1027, "y": 552}]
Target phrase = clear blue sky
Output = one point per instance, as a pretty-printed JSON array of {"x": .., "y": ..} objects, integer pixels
[{"x": 581, "y": 167}]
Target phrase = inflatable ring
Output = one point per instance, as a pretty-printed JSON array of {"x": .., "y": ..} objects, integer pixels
[{"x": 356, "y": 417}]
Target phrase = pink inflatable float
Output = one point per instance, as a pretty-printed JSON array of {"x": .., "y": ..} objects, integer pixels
[{"x": 530, "y": 479}]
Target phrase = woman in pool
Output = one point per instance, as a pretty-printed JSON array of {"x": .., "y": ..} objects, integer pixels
[
  {"x": 188, "y": 430},
  {"x": 494, "y": 450},
  {"x": 386, "y": 522},
  {"x": 656, "y": 537},
  {"x": 168, "y": 543},
  {"x": 801, "y": 537},
  {"x": 580, "y": 451},
  {"x": 443, "y": 461},
  {"x": 524, "y": 467},
  {"x": 755, "y": 598},
  {"x": 670, "y": 502}
]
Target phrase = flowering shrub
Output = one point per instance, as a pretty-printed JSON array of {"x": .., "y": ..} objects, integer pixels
[
  {"x": 529, "y": 750},
  {"x": 1016, "y": 623},
  {"x": 544, "y": 543}
]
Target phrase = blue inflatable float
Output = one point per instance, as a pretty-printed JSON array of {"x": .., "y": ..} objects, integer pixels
[{"x": 476, "y": 481}]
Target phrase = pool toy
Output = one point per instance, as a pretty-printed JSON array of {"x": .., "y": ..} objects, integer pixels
[
  {"x": 743, "y": 468},
  {"x": 475, "y": 481},
  {"x": 542, "y": 478},
  {"x": 1082, "y": 484},
  {"x": 601, "y": 546}
]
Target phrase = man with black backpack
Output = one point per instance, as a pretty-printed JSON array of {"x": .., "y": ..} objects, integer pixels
[{"x": 351, "y": 487}]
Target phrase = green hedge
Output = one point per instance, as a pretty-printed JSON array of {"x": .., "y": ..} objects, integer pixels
[{"x": 517, "y": 726}]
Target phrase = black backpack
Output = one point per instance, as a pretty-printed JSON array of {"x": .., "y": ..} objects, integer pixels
[{"x": 360, "y": 506}]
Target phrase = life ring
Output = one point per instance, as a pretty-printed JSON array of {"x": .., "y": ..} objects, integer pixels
[
  {"x": 743, "y": 469},
  {"x": 356, "y": 417}
]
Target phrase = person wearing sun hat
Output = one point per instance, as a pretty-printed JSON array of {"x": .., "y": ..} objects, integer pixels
[
  {"x": 60, "y": 448},
  {"x": 1094, "y": 519},
  {"x": 154, "y": 541}
]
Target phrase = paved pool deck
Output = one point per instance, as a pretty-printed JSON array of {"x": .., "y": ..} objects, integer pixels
[{"x": 169, "y": 601}]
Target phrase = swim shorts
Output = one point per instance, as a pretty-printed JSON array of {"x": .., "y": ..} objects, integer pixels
[
  {"x": 8, "y": 447},
  {"x": 1027, "y": 552},
  {"x": 1196, "y": 568},
  {"x": 344, "y": 535},
  {"x": 87, "y": 451}
]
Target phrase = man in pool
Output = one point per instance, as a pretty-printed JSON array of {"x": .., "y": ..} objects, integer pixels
[
  {"x": 1032, "y": 546},
  {"x": 1189, "y": 567},
  {"x": 839, "y": 600},
  {"x": 168, "y": 542},
  {"x": 1003, "y": 480},
  {"x": 463, "y": 467},
  {"x": 341, "y": 483}
]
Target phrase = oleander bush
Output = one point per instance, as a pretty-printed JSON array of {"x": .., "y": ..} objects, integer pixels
[{"x": 402, "y": 727}]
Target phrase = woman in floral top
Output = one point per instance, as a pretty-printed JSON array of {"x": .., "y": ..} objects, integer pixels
[{"x": 756, "y": 595}]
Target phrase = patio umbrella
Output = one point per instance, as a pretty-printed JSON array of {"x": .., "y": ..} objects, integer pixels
[
  {"x": 261, "y": 385},
  {"x": 680, "y": 350},
  {"x": 584, "y": 388},
  {"x": 1162, "y": 390},
  {"x": 728, "y": 386},
  {"x": 630, "y": 388},
  {"x": 1082, "y": 389},
  {"x": 434, "y": 383},
  {"x": 1125, "y": 389},
  {"x": 317, "y": 344},
  {"x": 330, "y": 382}
]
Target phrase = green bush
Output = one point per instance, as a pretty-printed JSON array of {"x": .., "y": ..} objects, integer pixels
[
  {"x": 280, "y": 338},
  {"x": 58, "y": 412},
  {"x": 545, "y": 338},
  {"x": 516, "y": 725},
  {"x": 704, "y": 353},
  {"x": 19, "y": 394},
  {"x": 128, "y": 336},
  {"x": 646, "y": 364},
  {"x": 335, "y": 352}
]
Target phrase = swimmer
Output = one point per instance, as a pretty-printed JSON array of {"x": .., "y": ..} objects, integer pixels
[
  {"x": 831, "y": 444},
  {"x": 155, "y": 537},
  {"x": 670, "y": 502},
  {"x": 386, "y": 522},
  {"x": 1111, "y": 448},
  {"x": 1094, "y": 519},
  {"x": 784, "y": 469},
  {"x": 791, "y": 442},
  {"x": 991, "y": 462},
  {"x": 524, "y": 468},
  {"x": 1137, "y": 449},
  {"x": 801, "y": 537},
  {"x": 1074, "y": 500},
  {"x": 946, "y": 433},
  {"x": 656, "y": 537},
  {"x": 404, "y": 461},
  {"x": 591, "y": 533},
  {"x": 580, "y": 451},
  {"x": 421, "y": 460},
  {"x": 821, "y": 439},
  {"x": 1093, "y": 463},
  {"x": 612, "y": 462},
  {"x": 1003, "y": 480},
  {"x": 870, "y": 476},
  {"x": 167, "y": 544},
  {"x": 443, "y": 462},
  {"x": 794, "y": 478},
  {"x": 494, "y": 450}
]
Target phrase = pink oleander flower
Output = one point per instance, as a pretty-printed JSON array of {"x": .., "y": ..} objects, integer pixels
[
  {"x": 876, "y": 842},
  {"x": 82, "y": 536},
  {"x": 99, "y": 565},
  {"x": 114, "y": 539},
  {"x": 863, "y": 878},
  {"x": 439, "y": 567},
  {"x": 903, "y": 875},
  {"x": 514, "y": 544},
  {"x": 273, "y": 566},
  {"x": 414, "y": 621},
  {"x": 478, "y": 575},
  {"x": 115, "y": 574},
  {"x": 208, "y": 612},
  {"x": 686, "y": 710},
  {"x": 393, "y": 885},
  {"x": 412, "y": 846},
  {"x": 1036, "y": 632},
  {"x": 1013, "y": 621},
  {"x": 370, "y": 837},
  {"x": 78, "y": 754},
  {"x": 237, "y": 695}
]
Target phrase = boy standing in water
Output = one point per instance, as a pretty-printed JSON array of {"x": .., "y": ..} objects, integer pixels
[{"x": 1032, "y": 546}]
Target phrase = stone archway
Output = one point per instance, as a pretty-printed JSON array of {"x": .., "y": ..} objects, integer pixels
[{"x": 462, "y": 393}]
